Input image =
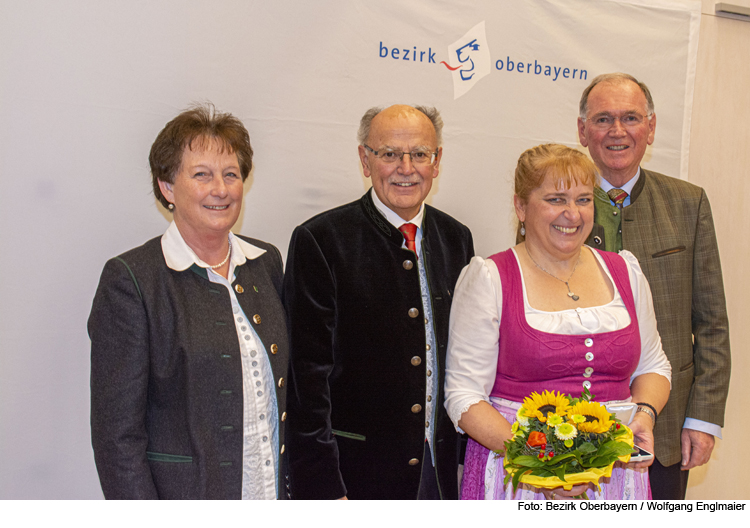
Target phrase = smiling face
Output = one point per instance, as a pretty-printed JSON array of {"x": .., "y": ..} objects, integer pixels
[
  {"x": 617, "y": 152},
  {"x": 557, "y": 220},
  {"x": 207, "y": 191},
  {"x": 401, "y": 186}
]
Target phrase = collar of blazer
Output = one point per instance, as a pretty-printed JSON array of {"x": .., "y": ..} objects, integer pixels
[{"x": 384, "y": 226}]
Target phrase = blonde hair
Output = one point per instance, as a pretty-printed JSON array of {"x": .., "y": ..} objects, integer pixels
[{"x": 564, "y": 165}]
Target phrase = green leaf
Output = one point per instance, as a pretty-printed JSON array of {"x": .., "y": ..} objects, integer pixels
[
  {"x": 586, "y": 448},
  {"x": 527, "y": 461},
  {"x": 561, "y": 458}
]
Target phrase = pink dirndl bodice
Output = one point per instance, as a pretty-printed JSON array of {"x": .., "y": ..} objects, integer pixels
[{"x": 531, "y": 360}]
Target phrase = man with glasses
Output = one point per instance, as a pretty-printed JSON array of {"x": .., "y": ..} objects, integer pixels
[
  {"x": 368, "y": 289},
  {"x": 666, "y": 223}
]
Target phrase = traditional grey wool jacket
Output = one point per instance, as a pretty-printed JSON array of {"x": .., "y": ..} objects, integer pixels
[
  {"x": 669, "y": 228},
  {"x": 166, "y": 374},
  {"x": 358, "y": 358}
]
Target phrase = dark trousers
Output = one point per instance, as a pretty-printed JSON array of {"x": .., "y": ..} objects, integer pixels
[
  {"x": 667, "y": 483},
  {"x": 428, "y": 486}
]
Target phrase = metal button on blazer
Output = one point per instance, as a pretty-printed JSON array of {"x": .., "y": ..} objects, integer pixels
[
  {"x": 238, "y": 288},
  {"x": 283, "y": 448},
  {"x": 416, "y": 361},
  {"x": 408, "y": 264},
  {"x": 274, "y": 348},
  {"x": 413, "y": 312},
  {"x": 256, "y": 319},
  {"x": 413, "y": 461},
  {"x": 283, "y": 416},
  {"x": 281, "y": 382},
  {"x": 416, "y": 408}
]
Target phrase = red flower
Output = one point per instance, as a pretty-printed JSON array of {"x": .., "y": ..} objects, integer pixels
[{"x": 537, "y": 439}]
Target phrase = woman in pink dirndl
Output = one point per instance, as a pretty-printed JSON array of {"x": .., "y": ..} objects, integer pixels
[{"x": 552, "y": 314}]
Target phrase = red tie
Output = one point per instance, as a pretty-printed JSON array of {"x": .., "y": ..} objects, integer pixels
[{"x": 410, "y": 232}]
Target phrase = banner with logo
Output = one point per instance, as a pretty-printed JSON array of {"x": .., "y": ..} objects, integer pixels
[{"x": 505, "y": 75}]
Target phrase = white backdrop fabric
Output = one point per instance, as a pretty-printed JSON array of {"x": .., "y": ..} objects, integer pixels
[{"x": 85, "y": 86}]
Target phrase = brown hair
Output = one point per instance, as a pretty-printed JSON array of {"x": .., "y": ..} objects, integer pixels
[
  {"x": 563, "y": 164},
  {"x": 199, "y": 123}
]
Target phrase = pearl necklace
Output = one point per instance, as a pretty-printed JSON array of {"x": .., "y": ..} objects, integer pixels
[
  {"x": 229, "y": 252},
  {"x": 570, "y": 293}
]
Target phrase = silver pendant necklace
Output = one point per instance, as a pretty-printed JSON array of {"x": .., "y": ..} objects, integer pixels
[{"x": 570, "y": 293}]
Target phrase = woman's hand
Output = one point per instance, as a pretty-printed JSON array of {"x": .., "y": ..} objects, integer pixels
[
  {"x": 561, "y": 493},
  {"x": 653, "y": 389},
  {"x": 643, "y": 436}
]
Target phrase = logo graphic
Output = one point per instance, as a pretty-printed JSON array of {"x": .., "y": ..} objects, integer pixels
[
  {"x": 469, "y": 60},
  {"x": 471, "y": 56}
]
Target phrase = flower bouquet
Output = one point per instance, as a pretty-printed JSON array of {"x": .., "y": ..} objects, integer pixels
[{"x": 563, "y": 441}]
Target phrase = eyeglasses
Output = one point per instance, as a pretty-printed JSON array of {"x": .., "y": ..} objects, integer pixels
[
  {"x": 607, "y": 121},
  {"x": 418, "y": 156}
]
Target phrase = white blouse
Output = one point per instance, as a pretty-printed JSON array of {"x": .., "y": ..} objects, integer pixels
[{"x": 471, "y": 364}]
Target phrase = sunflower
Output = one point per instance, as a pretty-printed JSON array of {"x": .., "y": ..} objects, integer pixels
[
  {"x": 598, "y": 419},
  {"x": 539, "y": 405}
]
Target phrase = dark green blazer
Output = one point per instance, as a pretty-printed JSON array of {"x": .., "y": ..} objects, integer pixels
[
  {"x": 668, "y": 226},
  {"x": 166, "y": 374}
]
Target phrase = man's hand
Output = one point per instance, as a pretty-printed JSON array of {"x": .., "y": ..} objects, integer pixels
[{"x": 696, "y": 448}]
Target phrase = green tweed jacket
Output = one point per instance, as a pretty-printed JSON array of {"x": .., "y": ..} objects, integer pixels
[{"x": 668, "y": 226}]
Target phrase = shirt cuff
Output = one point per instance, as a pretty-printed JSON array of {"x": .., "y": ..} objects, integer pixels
[{"x": 704, "y": 427}]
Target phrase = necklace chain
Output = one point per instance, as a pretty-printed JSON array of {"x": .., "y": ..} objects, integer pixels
[
  {"x": 570, "y": 293},
  {"x": 229, "y": 252}
]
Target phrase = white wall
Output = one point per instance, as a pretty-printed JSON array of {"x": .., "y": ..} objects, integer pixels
[{"x": 720, "y": 163}]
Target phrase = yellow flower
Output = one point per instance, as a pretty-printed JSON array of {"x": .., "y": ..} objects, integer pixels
[
  {"x": 566, "y": 431},
  {"x": 553, "y": 420},
  {"x": 521, "y": 416},
  {"x": 568, "y": 443},
  {"x": 597, "y": 417},
  {"x": 577, "y": 418},
  {"x": 540, "y": 405}
]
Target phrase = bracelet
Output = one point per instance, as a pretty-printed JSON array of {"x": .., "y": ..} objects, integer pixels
[
  {"x": 645, "y": 408},
  {"x": 653, "y": 409}
]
